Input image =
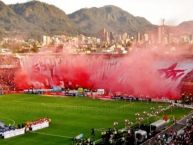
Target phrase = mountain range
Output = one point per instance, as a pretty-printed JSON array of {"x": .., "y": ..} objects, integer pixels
[
  {"x": 34, "y": 19},
  {"x": 11, "y": 22},
  {"x": 114, "y": 19}
]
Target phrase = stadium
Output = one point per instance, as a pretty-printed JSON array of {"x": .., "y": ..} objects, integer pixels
[
  {"x": 92, "y": 99},
  {"x": 105, "y": 72}
]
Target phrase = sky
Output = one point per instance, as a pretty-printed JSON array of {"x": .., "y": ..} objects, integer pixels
[{"x": 173, "y": 11}]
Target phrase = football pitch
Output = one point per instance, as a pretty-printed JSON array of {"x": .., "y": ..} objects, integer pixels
[{"x": 70, "y": 116}]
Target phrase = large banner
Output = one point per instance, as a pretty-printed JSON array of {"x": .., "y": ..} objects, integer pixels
[{"x": 137, "y": 75}]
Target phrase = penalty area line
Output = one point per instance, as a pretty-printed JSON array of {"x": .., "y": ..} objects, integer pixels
[
  {"x": 9, "y": 119},
  {"x": 54, "y": 135}
]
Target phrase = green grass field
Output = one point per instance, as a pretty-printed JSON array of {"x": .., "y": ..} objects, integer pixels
[{"x": 70, "y": 116}]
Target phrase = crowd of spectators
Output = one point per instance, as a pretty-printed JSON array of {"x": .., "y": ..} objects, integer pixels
[
  {"x": 128, "y": 136},
  {"x": 115, "y": 137},
  {"x": 174, "y": 137},
  {"x": 83, "y": 142},
  {"x": 8, "y": 67},
  {"x": 7, "y": 79}
]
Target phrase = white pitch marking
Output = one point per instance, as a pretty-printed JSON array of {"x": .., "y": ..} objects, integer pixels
[{"x": 54, "y": 135}]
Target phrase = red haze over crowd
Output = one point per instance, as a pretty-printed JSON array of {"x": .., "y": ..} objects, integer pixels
[{"x": 142, "y": 74}]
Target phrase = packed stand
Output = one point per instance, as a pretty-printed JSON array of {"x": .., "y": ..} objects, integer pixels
[
  {"x": 181, "y": 137},
  {"x": 8, "y": 66}
]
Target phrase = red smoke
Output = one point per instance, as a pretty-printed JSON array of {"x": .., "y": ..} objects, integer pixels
[
  {"x": 21, "y": 78},
  {"x": 134, "y": 74}
]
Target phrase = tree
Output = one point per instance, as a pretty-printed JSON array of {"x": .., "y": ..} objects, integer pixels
[{"x": 35, "y": 48}]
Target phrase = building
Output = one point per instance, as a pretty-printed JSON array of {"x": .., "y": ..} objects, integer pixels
[{"x": 46, "y": 40}]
